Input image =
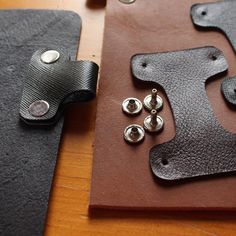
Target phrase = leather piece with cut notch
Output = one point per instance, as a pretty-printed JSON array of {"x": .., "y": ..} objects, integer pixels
[
  {"x": 228, "y": 88},
  {"x": 58, "y": 84},
  {"x": 201, "y": 145},
  {"x": 219, "y": 15}
]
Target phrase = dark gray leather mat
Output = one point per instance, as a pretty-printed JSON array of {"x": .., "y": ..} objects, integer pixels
[{"x": 27, "y": 154}]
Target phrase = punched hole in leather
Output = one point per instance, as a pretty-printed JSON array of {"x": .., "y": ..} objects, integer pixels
[
  {"x": 52, "y": 82},
  {"x": 201, "y": 147},
  {"x": 219, "y": 15}
]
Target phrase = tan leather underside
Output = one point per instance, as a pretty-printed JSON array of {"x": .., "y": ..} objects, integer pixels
[{"x": 121, "y": 174}]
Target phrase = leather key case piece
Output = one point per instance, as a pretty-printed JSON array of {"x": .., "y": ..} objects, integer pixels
[
  {"x": 201, "y": 146},
  {"x": 122, "y": 177},
  {"x": 28, "y": 154},
  {"x": 218, "y": 15}
]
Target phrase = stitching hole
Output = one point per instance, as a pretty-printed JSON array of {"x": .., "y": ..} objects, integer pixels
[
  {"x": 214, "y": 58},
  {"x": 164, "y": 162},
  {"x": 144, "y": 64}
]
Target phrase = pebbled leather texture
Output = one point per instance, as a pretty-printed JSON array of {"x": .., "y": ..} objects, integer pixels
[
  {"x": 58, "y": 83},
  {"x": 228, "y": 88},
  {"x": 28, "y": 154},
  {"x": 201, "y": 146},
  {"x": 220, "y": 15}
]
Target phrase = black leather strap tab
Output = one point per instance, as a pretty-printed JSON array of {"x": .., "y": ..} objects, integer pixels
[
  {"x": 228, "y": 88},
  {"x": 201, "y": 145},
  {"x": 57, "y": 84},
  {"x": 219, "y": 15}
]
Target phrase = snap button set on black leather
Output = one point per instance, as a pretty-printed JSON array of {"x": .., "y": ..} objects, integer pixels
[
  {"x": 152, "y": 123},
  {"x": 52, "y": 82}
]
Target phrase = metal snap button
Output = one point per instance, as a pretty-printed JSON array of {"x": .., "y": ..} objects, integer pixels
[
  {"x": 39, "y": 108},
  {"x": 153, "y": 122},
  {"x": 50, "y": 56},
  {"x": 153, "y": 101},
  {"x": 134, "y": 133},
  {"x": 132, "y": 106}
]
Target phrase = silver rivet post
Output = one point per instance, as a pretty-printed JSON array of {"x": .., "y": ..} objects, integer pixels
[
  {"x": 153, "y": 101},
  {"x": 153, "y": 122}
]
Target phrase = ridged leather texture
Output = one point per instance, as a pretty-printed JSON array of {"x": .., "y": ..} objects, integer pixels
[
  {"x": 219, "y": 15},
  {"x": 201, "y": 146},
  {"x": 228, "y": 88},
  {"x": 58, "y": 83},
  {"x": 28, "y": 154}
]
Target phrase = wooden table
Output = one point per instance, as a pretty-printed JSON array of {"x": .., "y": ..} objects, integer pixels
[{"x": 68, "y": 211}]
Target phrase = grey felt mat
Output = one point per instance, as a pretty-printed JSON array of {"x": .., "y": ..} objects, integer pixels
[{"x": 27, "y": 155}]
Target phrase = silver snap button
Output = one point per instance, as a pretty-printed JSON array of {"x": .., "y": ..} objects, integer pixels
[
  {"x": 153, "y": 122},
  {"x": 39, "y": 108},
  {"x": 127, "y": 1},
  {"x": 50, "y": 56},
  {"x": 134, "y": 133},
  {"x": 132, "y": 106},
  {"x": 153, "y": 101}
]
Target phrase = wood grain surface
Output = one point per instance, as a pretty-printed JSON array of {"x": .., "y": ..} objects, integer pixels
[{"x": 68, "y": 212}]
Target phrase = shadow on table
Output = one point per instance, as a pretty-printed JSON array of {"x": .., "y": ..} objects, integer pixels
[{"x": 171, "y": 215}]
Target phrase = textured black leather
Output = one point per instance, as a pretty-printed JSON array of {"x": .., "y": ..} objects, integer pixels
[
  {"x": 201, "y": 145},
  {"x": 220, "y": 15},
  {"x": 58, "y": 83},
  {"x": 228, "y": 88},
  {"x": 28, "y": 154}
]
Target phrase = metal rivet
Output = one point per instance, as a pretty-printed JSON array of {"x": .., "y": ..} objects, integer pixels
[
  {"x": 134, "y": 133},
  {"x": 127, "y": 1},
  {"x": 50, "y": 56},
  {"x": 153, "y": 101},
  {"x": 153, "y": 122},
  {"x": 132, "y": 106},
  {"x": 38, "y": 108}
]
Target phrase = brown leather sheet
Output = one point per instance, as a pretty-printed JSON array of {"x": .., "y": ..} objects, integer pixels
[{"x": 121, "y": 175}]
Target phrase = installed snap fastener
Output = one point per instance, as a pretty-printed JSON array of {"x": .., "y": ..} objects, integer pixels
[
  {"x": 38, "y": 108},
  {"x": 127, "y": 1},
  {"x": 153, "y": 122},
  {"x": 50, "y": 56},
  {"x": 132, "y": 106},
  {"x": 153, "y": 101},
  {"x": 134, "y": 133}
]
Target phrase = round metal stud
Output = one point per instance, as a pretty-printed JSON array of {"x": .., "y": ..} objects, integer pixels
[
  {"x": 50, "y": 56},
  {"x": 127, "y": 1},
  {"x": 153, "y": 101},
  {"x": 39, "y": 108},
  {"x": 153, "y": 123},
  {"x": 134, "y": 133},
  {"x": 132, "y": 106}
]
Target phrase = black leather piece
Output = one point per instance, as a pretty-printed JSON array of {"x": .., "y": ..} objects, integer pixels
[
  {"x": 228, "y": 88},
  {"x": 201, "y": 145},
  {"x": 28, "y": 154},
  {"x": 220, "y": 15},
  {"x": 58, "y": 83}
]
